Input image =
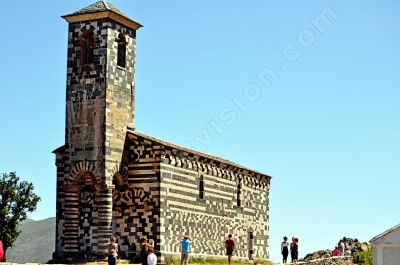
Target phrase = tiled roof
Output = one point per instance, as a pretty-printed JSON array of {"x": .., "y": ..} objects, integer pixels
[
  {"x": 100, "y": 10},
  {"x": 99, "y": 6}
]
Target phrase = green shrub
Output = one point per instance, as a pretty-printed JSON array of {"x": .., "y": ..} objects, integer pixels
[{"x": 363, "y": 257}]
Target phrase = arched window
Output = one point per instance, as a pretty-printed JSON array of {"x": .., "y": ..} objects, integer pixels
[
  {"x": 239, "y": 194},
  {"x": 201, "y": 187},
  {"x": 87, "y": 47},
  {"x": 121, "y": 59}
]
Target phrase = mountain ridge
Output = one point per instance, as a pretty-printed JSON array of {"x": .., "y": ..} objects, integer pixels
[{"x": 36, "y": 242}]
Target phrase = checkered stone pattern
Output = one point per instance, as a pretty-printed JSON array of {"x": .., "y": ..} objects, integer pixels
[
  {"x": 136, "y": 197},
  {"x": 175, "y": 174},
  {"x": 112, "y": 180},
  {"x": 120, "y": 90},
  {"x": 134, "y": 213},
  {"x": 208, "y": 221},
  {"x": 99, "y": 108}
]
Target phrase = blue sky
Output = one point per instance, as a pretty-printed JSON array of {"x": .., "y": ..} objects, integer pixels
[{"x": 326, "y": 127}]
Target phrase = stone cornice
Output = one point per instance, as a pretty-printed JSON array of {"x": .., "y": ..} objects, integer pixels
[
  {"x": 101, "y": 15},
  {"x": 193, "y": 155},
  {"x": 247, "y": 178}
]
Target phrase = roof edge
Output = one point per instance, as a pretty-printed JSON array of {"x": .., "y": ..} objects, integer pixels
[
  {"x": 71, "y": 18},
  {"x": 193, "y": 151},
  {"x": 59, "y": 149},
  {"x": 384, "y": 234}
]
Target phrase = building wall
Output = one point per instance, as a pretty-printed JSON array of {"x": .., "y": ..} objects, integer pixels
[
  {"x": 208, "y": 221},
  {"x": 119, "y": 107},
  {"x": 391, "y": 255},
  {"x": 99, "y": 107},
  {"x": 387, "y": 248},
  {"x": 136, "y": 197}
]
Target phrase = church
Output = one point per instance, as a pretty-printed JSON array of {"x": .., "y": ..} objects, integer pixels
[{"x": 114, "y": 180}]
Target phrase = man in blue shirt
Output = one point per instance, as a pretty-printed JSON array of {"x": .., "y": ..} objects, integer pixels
[{"x": 185, "y": 249}]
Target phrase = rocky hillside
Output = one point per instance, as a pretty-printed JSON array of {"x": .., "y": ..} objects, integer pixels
[
  {"x": 353, "y": 245},
  {"x": 36, "y": 242}
]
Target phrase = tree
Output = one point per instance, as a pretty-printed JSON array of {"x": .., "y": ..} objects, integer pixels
[{"x": 16, "y": 200}]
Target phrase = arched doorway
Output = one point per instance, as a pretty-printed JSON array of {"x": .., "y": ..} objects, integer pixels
[
  {"x": 87, "y": 214},
  {"x": 250, "y": 243}
]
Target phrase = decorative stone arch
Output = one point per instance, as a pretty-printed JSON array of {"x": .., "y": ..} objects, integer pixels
[
  {"x": 87, "y": 206},
  {"x": 133, "y": 196},
  {"x": 120, "y": 176},
  {"x": 82, "y": 168},
  {"x": 85, "y": 176}
]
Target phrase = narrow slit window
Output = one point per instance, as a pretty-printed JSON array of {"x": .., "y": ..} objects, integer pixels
[
  {"x": 201, "y": 187},
  {"x": 239, "y": 194},
  {"x": 121, "y": 59},
  {"x": 87, "y": 47}
]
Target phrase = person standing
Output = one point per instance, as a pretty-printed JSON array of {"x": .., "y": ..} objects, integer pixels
[
  {"x": 230, "y": 247},
  {"x": 1, "y": 251},
  {"x": 335, "y": 252},
  {"x": 285, "y": 249},
  {"x": 294, "y": 249},
  {"x": 144, "y": 248},
  {"x": 112, "y": 251},
  {"x": 291, "y": 250},
  {"x": 151, "y": 257},
  {"x": 341, "y": 248},
  {"x": 185, "y": 249}
]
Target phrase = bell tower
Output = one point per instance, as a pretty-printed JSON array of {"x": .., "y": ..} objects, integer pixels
[{"x": 99, "y": 108}]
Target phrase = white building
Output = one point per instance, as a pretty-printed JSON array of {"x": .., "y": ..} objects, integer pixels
[{"x": 386, "y": 247}]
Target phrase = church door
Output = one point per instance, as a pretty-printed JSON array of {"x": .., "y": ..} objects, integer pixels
[{"x": 250, "y": 244}]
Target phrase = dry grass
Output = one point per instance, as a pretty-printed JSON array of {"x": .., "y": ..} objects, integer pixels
[
  {"x": 175, "y": 260},
  {"x": 198, "y": 260}
]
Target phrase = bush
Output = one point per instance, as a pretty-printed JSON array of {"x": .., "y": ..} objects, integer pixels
[{"x": 363, "y": 257}]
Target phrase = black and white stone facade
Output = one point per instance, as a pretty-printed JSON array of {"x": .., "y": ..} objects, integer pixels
[{"x": 113, "y": 180}]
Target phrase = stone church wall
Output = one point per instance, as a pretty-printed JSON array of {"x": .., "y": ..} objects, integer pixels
[
  {"x": 136, "y": 197},
  {"x": 208, "y": 221},
  {"x": 169, "y": 179}
]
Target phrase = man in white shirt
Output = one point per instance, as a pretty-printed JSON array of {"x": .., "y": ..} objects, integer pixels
[{"x": 151, "y": 257}]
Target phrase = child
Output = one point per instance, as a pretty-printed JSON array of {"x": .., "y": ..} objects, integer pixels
[{"x": 112, "y": 251}]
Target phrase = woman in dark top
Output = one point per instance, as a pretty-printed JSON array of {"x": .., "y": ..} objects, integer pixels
[
  {"x": 285, "y": 249},
  {"x": 294, "y": 249}
]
